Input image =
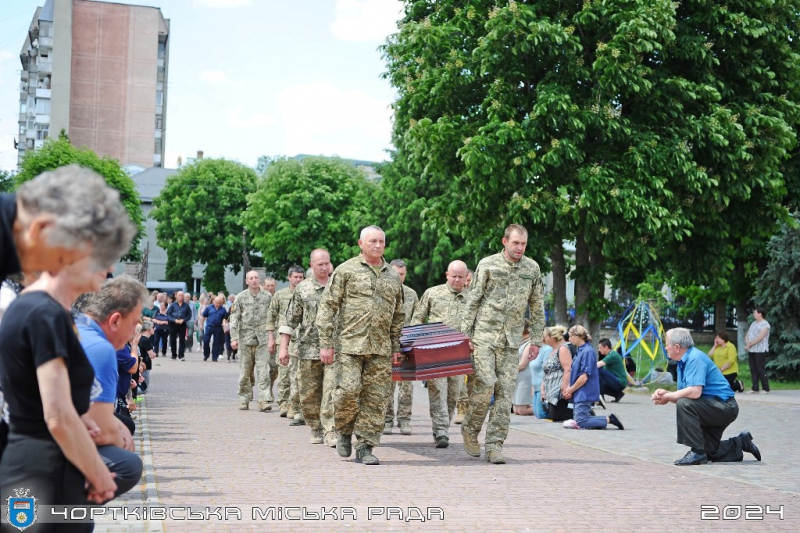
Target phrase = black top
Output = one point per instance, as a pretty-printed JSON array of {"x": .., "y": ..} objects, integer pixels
[
  {"x": 179, "y": 312},
  {"x": 145, "y": 346},
  {"x": 34, "y": 331},
  {"x": 9, "y": 261}
]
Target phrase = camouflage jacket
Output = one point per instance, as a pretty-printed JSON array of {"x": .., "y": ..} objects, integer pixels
[
  {"x": 441, "y": 304},
  {"x": 248, "y": 315},
  {"x": 301, "y": 312},
  {"x": 277, "y": 308},
  {"x": 410, "y": 300},
  {"x": 499, "y": 294},
  {"x": 369, "y": 307}
]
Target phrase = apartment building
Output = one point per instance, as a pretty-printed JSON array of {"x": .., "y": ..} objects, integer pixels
[{"x": 98, "y": 71}]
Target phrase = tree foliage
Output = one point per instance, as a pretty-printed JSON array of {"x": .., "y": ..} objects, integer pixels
[
  {"x": 779, "y": 294},
  {"x": 313, "y": 203},
  {"x": 198, "y": 214},
  {"x": 628, "y": 127},
  {"x": 6, "y": 181},
  {"x": 60, "y": 152}
]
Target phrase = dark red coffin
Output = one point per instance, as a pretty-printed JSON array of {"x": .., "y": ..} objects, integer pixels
[{"x": 432, "y": 350}]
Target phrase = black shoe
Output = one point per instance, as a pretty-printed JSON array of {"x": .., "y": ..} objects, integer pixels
[
  {"x": 748, "y": 446},
  {"x": 619, "y": 397},
  {"x": 442, "y": 442},
  {"x": 174, "y": 357},
  {"x": 297, "y": 422},
  {"x": 205, "y": 358},
  {"x": 614, "y": 421},
  {"x": 691, "y": 459}
]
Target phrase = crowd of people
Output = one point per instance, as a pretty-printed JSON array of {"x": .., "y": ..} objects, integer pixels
[{"x": 76, "y": 349}]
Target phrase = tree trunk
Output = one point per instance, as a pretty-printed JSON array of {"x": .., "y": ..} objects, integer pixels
[
  {"x": 589, "y": 285},
  {"x": 560, "y": 315},
  {"x": 720, "y": 308}
]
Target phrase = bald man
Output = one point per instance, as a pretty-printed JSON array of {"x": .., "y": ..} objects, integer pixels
[
  {"x": 444, "y": 303},
  {"x": 248, "y": 319}
]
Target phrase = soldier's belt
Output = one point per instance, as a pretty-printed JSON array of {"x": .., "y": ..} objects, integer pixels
[{"x": 431, "y": 351}]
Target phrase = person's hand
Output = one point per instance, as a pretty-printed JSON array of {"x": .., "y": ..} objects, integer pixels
[
  {"x": 397, "y": 357},
  {"x": 283, "y": 358},
  {"x": 141, "y": 379},
  {"x": 326, "y": 355},
  {"x": 566, "y": 394},
  {"x": 91, "y": 427},
  {"x": 271, "y": 345},
  {"x": 471, "y": 347},
  {"x": 131, "y": 406},
  {"x": 102, "y": 489},
  {"x": 659, "y": 397},
  {"x": 142, "y": 368},
  {"x": 133, "y": 383},
  {"x": 127, "y": 439},
  {"x": 234, "y": 345}
]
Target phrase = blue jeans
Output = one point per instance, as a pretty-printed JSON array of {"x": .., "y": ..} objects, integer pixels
[
  {"x": 585, "y": 421},
  {"x": 539, "y": 410}
]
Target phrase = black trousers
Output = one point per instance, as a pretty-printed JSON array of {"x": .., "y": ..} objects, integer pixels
[
  {"x": 215, "y": 347},
  {"x": 177, "y": 332},
  {"x": 702, "y": 422},
  {"x": 160, "y": 337},
  {"x": 732, "y": 382},
  {"x": 560, "y": 411},
  {"x": 39, "y": 465},
  {"x": 609, "y": 383},
  {"x": 758, "y": 369},
  {"x": 126, "y": 465}
]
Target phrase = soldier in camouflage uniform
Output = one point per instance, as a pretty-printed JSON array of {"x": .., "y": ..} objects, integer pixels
[
  {"x": 299, "y": 322},
  {"x": 288, "y": 399},
  {"x": 444, "y": 303},
  {"x": 406, "y": 388},
  {"x": 504, "y": 285},
  {"x": 367, "y": 295},
  {"x": 466, "y": 384},
  {"x": 248, "y": 314}
]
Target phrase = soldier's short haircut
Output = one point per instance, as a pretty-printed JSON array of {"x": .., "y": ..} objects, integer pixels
[
  {"x": 296, "y": 269},
  {"x": 680, "y": 336},
  {"x": 399, "y": 263},
  {"x": 316, "y": 251},
  {"x": 269, "y": 278},
  {"x": 512, "y": 228},
  {"x": 122, "y": 294},
  {"x": 370, "y": 228},
  {"x": 85, "y": 211}
]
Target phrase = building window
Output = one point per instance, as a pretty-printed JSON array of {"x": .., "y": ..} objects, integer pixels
[
  {"x": 159, "y": 97},
  {"x": 162, "y": 50},
  {"x": 43, "y": 106},
  {"x": 42, "y": 131},
  {"x": 158, "y": 145},
  {"x": 159, "y": 123}
]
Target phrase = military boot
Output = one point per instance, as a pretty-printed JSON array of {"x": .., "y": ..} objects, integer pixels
[
  {"x": 298, "y": 420},
  {"x": 405, "y": 428},
  {"x": 345, "y": 445},
  {"x": 330, "y": 439},
  {"x": 244, "y": 406},
  {"x": 264, "y": 406},
  {"x": 290, "y": 412},
  {"x": 284, "y": 411},
  {"x": 462, "y": 411},
  {"x": 495, "y": 457},
  {"x": 471, "y": 445},
  {"x": 364, "y": 455},
  {"x": 316, "y": 436},
  {"x": 387, "y": 428}
]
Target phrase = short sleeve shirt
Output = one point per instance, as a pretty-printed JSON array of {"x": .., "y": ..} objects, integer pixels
[
  {"x": 585, "y": 362},
  {"x": 756, "y": 328},
  {"x": 696, "y": 368},
  {"x": 100, "y": 353},
  {"x": 24, "y": 348}
]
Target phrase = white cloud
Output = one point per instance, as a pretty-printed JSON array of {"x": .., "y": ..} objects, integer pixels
[
  {"x": 236, "y": 119},
  {"x": 321, "y": 119},
  {"x": 222, "y": 3},
  {"x": 366, "y": 20},
  {"x": 213, "y": 76}
]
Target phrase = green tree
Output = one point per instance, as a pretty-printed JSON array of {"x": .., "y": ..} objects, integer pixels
[
  {"x": 779, "y": 294},
  {"x": 301, "y": 205},
  {"x": 60, "y": 152},
  {"x": 606, "y": 123},
  {"x": 6, "y": 181},
  {"x": 198, "y": 214}
]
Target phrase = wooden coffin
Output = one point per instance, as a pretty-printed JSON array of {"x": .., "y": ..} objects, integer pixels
[{"x": 430, "y": 351}]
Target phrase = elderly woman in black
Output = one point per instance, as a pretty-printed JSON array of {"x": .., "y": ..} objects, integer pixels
[{"x": 556, "y": 374}]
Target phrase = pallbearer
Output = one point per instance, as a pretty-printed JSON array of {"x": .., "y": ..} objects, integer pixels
[{"x": 444, "y": 303}]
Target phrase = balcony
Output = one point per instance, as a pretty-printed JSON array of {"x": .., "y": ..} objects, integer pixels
[
  {"x": 42, "y": 119},
  {"x": 45, "y": 43},
  {"x": 45, "y": 66},
  {"x": 38, "y": 144},
  {"x": 42, "y": 93}
]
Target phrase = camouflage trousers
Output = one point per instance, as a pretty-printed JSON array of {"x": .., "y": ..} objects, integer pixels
[
  {"x": 273, "y": 370},
  {"x": 360, "y": 396},
  {"x": 326, "y": 413},
  {"x": 294, "y": 386},
  {"x": 404, "y": 400},
  {"x": 496, "y": 369},
  {"x": 284, "y": 380},
  {"x": 254, "y": 357},
  {"x": 463, "y": 397},
  {"x": 443, "y": 395},
  {"x": 312, "y": 376}
]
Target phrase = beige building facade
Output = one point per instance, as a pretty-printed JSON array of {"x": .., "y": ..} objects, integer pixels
[{"x": 99, "y": 71}]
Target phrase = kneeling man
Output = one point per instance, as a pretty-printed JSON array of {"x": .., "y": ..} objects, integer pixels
[{"x": 705, "y": 405}]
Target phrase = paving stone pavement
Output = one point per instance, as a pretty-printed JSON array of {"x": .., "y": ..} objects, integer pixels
[{"x": 201, "y": 451}]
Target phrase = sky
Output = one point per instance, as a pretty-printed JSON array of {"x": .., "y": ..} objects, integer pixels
[{"x": 253, "y": 77}]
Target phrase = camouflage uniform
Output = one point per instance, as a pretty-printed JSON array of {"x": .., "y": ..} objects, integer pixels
[
  {"x": 406, "y": 395},
  {"x": 299, "y": 322},
  {"x": 442, "y": 304},
  {"x": 247, "y": 318},
  {"x": 286, "y": 395},
  {"x": 493, "y": 319},
  {"x": 369, "y": 305}
]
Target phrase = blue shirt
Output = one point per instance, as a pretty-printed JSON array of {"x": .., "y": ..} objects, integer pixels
[
  {"x": 179, "y": 312},
  {"x": 585, "y": 362},
  {"x": 215, "y": 316},
  {"x": 696, "y": 368},
  {"x": 125, "y": 361},
  {"x": 100, "y": 353}
]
